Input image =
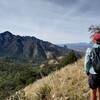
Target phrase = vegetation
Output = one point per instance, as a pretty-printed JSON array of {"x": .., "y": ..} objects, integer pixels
[
  {"x": 69, "y": 83},
  {"x": 14, "y": 76},
  {"x": 44, "y": 93},
  {"x": 70, "y": 58}
]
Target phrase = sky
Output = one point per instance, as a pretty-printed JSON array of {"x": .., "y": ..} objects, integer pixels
[{"x": 56, "y": 21}]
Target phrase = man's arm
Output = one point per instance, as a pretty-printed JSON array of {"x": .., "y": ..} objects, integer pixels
[{"x": 87, "y": 64}]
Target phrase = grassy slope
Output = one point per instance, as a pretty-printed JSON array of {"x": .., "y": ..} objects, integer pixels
[{"x": 69, "y": 83}]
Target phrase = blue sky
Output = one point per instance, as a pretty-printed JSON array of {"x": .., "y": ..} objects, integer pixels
[{"x": 56, "y": 21}]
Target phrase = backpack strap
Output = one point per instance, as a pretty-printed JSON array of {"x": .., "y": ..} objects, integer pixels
[{"x": 95, "y": 53}]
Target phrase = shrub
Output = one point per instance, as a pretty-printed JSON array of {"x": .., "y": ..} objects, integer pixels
[
  {"x": 44, "y": 93},
  {"x": 70, "y": 58}
]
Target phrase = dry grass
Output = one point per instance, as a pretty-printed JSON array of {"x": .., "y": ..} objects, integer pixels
[{"x": 69, "y": 83}]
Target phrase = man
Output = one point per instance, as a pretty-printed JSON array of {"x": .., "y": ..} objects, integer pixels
[{"x": 93, "y": 76}]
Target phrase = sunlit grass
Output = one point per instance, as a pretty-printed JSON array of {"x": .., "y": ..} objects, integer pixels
[{"x": 69, "y": 83}]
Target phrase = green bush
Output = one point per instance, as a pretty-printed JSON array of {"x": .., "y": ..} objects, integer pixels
[{"x": 70, "y": 58}]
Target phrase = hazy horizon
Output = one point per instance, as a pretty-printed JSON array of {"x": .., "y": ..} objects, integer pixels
[{"x": 56, "y": 21}]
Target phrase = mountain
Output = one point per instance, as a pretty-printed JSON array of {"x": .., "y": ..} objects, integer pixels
[
  {"x": 77, "y": 46},
  {"x": 26, "y": 48},
  {"x": 69, "y": 83}
]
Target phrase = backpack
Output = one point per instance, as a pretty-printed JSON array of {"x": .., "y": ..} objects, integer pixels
[{"x": 95, "y": 59}]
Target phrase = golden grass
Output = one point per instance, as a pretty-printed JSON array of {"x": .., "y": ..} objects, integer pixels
[{"x": 69, "y": 83}]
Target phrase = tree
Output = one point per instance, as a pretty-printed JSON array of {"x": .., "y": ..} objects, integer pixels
[{"x": 70, "y": 58}]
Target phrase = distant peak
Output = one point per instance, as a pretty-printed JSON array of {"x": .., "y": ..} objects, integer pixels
[{"x": 7, "y": 32}]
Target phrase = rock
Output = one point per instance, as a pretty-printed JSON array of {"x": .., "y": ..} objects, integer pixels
[
  {"x": 42, "y": 65},
  {"x": 50, "y": 62}
]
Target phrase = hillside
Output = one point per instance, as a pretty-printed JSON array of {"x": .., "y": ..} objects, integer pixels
[
  {"x": 69, "y": 83},
  {"x": 15, "y": 76},
  {"x": 28, "y": 49}
]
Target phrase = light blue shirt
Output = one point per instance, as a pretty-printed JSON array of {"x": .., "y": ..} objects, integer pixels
[{"x": 86, "y": 66}]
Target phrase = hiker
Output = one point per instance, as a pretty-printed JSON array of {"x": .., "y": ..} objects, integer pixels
[{"x": 92, "y": 66}]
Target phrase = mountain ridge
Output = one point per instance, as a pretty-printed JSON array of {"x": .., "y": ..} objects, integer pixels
[
  {"x": 81, "y": 46},
  {"x": 28, "y": 47}
]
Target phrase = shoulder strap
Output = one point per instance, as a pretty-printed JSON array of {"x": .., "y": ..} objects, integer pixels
[{"x": 95, "y": 53}]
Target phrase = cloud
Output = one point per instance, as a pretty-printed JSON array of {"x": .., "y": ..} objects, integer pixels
[
  {"x": 89, "y": 8},
  {"x": 52, "y": 20},
  {"x": 66, "y": 3}
]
